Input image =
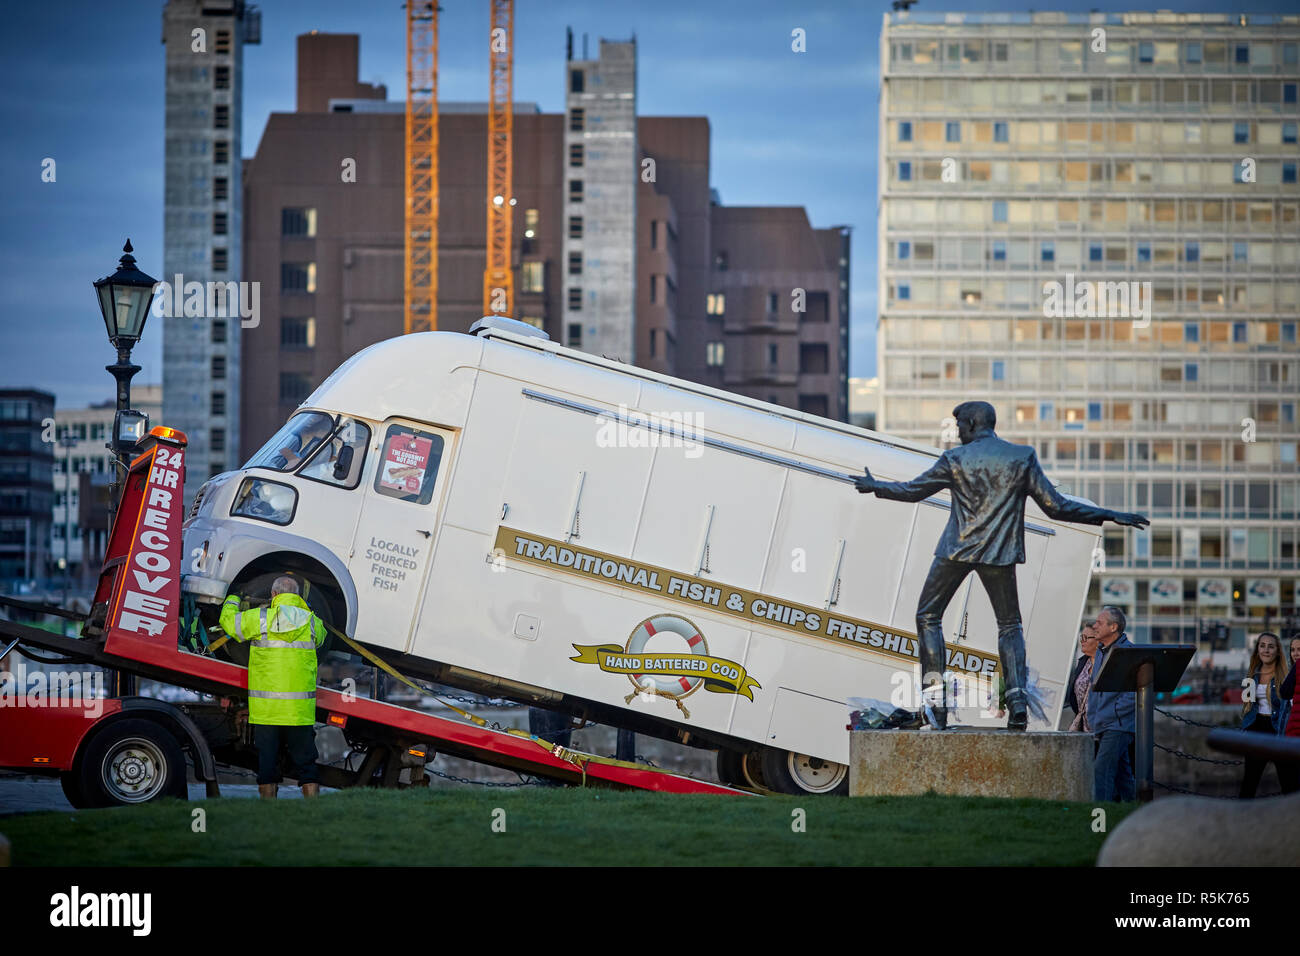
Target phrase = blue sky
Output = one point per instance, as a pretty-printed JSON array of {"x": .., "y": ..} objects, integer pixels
[{"x": 82, "y": 83}]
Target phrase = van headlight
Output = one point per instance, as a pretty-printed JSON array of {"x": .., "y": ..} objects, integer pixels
[{"x": 265, "y": 501}]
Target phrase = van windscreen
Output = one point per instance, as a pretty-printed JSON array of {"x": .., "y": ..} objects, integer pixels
[{"x": 291, "y": 445}]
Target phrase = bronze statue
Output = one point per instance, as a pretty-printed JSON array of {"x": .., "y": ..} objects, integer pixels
[{"x": 988, "y": 479}]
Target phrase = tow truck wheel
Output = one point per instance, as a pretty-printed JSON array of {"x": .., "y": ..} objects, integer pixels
[
  {"x": 799, "y": 774},
  {"x": 71, "y": 782},
  {"x": 751, "y": 771},
  {"x": 128, "y": 762}
]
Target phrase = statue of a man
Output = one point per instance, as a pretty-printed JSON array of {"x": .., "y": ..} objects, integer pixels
[{"x": 988, "y": 479}]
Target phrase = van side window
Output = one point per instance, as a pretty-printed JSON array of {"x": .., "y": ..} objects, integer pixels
[
  {"x": 408, "y": 464},
  {"x": 339, "y": 460}
]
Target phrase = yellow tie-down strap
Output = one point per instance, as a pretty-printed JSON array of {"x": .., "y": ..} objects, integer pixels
[{"x": 574, "y": 757}]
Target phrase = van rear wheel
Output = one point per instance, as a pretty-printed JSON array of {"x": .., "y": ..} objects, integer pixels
[{"x": 800, "y": 774}]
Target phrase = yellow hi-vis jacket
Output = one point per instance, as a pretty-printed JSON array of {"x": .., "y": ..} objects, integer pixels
[{"x": 282, "y": 662}]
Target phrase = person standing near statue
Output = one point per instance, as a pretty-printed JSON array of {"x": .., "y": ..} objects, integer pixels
[{"x": 989, "y": 480}]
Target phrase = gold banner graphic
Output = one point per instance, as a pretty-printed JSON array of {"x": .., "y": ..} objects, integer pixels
[
  {"x": 702, "y": 593},
  {"x": 720, "y": 675}
]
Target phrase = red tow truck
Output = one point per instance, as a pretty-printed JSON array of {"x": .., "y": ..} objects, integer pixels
[{"x": 126, "y": 749}]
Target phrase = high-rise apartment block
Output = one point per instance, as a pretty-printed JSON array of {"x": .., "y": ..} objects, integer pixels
[
  {"x": 203, "y": 222},
  {"x": 1090, "y": 220}
]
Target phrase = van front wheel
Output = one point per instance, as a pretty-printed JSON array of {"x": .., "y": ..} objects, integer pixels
[{"x": 799, "y": 774}]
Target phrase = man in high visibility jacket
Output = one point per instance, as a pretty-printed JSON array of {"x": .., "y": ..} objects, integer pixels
[{"x": 281, "y": 681}]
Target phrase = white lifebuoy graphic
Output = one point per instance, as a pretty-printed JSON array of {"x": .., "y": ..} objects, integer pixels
[{"x": 688, "y": 634}]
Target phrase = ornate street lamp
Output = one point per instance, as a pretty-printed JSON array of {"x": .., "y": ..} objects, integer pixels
[{"x": 124, "y": 301}]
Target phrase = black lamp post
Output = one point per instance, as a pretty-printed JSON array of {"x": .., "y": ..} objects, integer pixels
[{"x": 124, "y": 301}]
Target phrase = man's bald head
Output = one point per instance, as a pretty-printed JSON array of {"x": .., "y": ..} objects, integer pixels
[{"x": 284, "y": 585}]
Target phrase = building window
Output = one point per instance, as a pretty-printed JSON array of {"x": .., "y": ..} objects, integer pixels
[
  {"x": 999, "y": 210},
  {"x": 221, "y": 116},
  {"x": 577, "y": 119},
  {"x": 999, "y": 251},
  {"x": 904, "y": 172},
  {"x": 813, "y": 405},
  {"x": 575, "y": 190},
  {"x": 1046, "y": 412},
  {"x": 1144, "y": 252},
  {"x": 1288, "y": 93},
  {"x": 713, "y": 354},
  {"x": 1288, "y": 333},
  {"x": 1146, "y": 52},
  {"x": 575, "y": 227},
  {"x": 222, "y": 46},
  {"x": 1001, "y": 133},
  {"x": 577, "y": 81},
  {"x": 1047, "y": 253},
  {"x": 1192, "y": 252},
  {"x": 1094, "y": 411},
  {"x": 218, "y": 368},
  {"x": 532, "y": 275},
  {"x": 221, "y": 78},
  {"x": 654, "y": 287},
  {"x": 1241, "y": 132},
  {"x": 715, "y": 303},
  {"x": 903, "y": 291},
  {"x": 654, "y": 233},
  {"x": 1288, "y": 132},
  {"x": 530, "y": 223},
  {"x": 297, "y": 277},
  {"x": 575, "y": 335},
  {"x": 575, "y": 298},
  {"x": 1193, "y": 51},
  {"x": 294, "y": 387},
  {"x": 220, "y": 188},
  {"x": 952, "y": 131},
  {"x": 654, "y": 343},
  {"x": 905, "y": 131},
  {"x": 1095, "y": 252},
  {"x": 1190, "y": 371},
  {"x": 1288, "y": 172},
  {"x": 220, "y": 260},
  {"x": 297, "y": 333},
  {"x": 771, "y": 303},
  {"x": 217, "y": 441},
  {"x": 218, "y": 403},
  {"x": 904, "y": 249},
  {"x": 1239, "y": 332},
  {"x": 534, "y": 320},
  {"x": 771, "y": 353},
  {"x": 218, "y": 331},
  {"x": 814, "y": 359},
  {"x": 999, "y": 370},
  {"x": 298, "y": 222},
  {"x": 1191, "y": 332},
  {"x": 220, "y": 221},
  {"x": 720, "y": 261},
  {"x": 1242, "y": 54},
  {"x": 575, "y": 154},
  {"x": 221, "y": 152}
]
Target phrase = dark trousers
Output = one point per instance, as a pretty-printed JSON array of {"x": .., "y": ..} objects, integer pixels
[
  {"x": 999, "y": 582},
  {"x": 1113, "y": 769},
  {"x": 1255, "y": 765},
  {"x": 300, "y": 741}
]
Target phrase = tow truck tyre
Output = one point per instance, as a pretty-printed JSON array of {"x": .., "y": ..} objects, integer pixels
[
  {"x": 128, "y": 762},
  {"x": 729, "y": 771},
  {"x": 799, "y": 774}
]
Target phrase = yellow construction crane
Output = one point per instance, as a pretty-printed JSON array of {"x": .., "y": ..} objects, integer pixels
[
  {"x": 498, "y": 282},
  {"x": 421, "y": 170}
]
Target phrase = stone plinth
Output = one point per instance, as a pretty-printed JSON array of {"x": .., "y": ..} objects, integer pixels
[{"x": 971, "y": 763}]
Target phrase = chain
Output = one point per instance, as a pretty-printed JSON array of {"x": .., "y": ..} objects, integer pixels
[
  {"x": 1212, "y": 796},
  {"x": 510, "y": 705},
  {"x": 1186, "y": 756},
  {"x": 524, "y": 781},
  {"x": 1187, "y": 720}
]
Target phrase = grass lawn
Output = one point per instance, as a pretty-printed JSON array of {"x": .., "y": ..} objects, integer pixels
[{"x": 574, "y": 826}]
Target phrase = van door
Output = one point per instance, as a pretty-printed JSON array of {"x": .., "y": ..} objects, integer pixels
[{"x": 395, "y": 533}]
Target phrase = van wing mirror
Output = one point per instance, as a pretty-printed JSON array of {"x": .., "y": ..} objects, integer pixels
[{"x": 343, "y": 466}]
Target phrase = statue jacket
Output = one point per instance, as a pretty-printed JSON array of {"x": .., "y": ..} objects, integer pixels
[{"x": 989, "y": 480}]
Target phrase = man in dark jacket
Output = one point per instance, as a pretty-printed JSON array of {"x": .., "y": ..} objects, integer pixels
[
  {"x": 1112, "y": 716},
  {"x": 989, "y": 480}
]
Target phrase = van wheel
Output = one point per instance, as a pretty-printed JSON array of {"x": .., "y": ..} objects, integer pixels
[
  {"x": 751, "y": 771},
  {"x": 729, "y": 771},
  {"x": 129, "y": 762},
  {"x": 799, "y": 774}
]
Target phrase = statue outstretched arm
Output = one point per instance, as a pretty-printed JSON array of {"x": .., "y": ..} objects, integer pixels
[
  {"x": 1055, "y": 505},
  {"x": 938, "y": 477}
]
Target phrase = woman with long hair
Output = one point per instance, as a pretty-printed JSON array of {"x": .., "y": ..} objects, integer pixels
[
  {"x": 1288, "y": 771},
  {"x": 1261, "y": 707}
]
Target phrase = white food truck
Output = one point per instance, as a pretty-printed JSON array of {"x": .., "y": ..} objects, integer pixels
[{"x": 497, "y": 512}]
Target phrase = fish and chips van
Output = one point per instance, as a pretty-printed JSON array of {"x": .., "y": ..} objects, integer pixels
[{"x": 496, "y": 512}]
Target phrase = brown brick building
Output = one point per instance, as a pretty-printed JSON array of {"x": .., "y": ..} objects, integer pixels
[{"x": 329, "y": 253}]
